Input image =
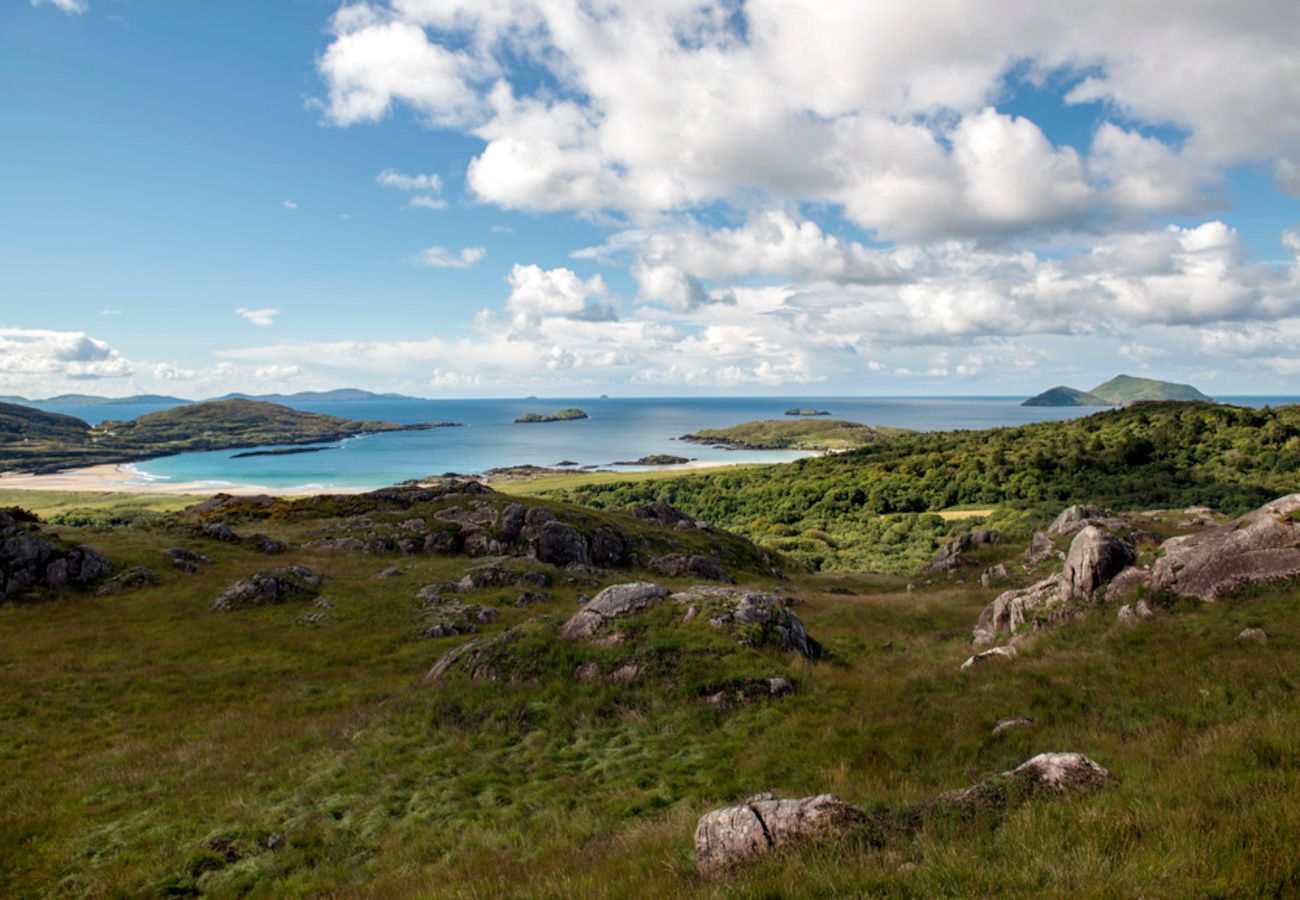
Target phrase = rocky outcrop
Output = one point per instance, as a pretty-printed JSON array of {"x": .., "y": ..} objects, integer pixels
[
  {"x": 560, "y": 545},
  {"x": 131, "y": 579},
  {"x": 755, "y": 618},
  {"x": 1261, "y": 546},
  {"x": 1075, "y": 518},
  {"x": 1094, "y": 558},
  {"x": 31, "y": 560},
  {"x": 677, "y": 565},
  {"x": 283, "y": 585},
  {"x": 1012, "y": 609},
  {"x": 1129, "y": 581},
  {"x": 613, "y": 602},
  {"x": 186, "y": 560},
  {"x": 950, "y": 556},
  {"x": 1040, "y": 548},
  {"x": 457, "y": 618},
  {"x": 995, "y": 654},
  {"x": 730, "y": 838}
]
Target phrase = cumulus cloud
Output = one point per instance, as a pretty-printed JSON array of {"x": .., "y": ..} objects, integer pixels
[
  {"x": 262, "y": 318},
  {"x": 442, "y": 258},
  {"x": 429, "y": 187},
  {"x": 33, "y": 355},
  {"x": 75, "y": 7},
  {"x": 537, "y": 294}
]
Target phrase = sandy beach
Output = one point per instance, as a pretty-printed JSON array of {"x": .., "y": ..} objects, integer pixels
[{"x": 124, "y": 479}]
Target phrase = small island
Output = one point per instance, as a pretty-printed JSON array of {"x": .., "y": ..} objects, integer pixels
[
  {"x": 654, "y": 459},
  {"x": 283, "y": 451},
  {"x": 1120, "y": 390},
  {"x": 805, "y": 411},
  {"x": 568, "y": 414},
  {"x": 784, "y": 434}
]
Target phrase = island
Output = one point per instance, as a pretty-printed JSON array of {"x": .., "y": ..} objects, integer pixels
[
  {"x": 805, "y": 411},
  {"x": 654, "y": 459},
  {"x": 32, "y": 440},
  {"x": 1120, "y": 390},
  {"x": 283, "y": 451},
  {"x": 568, "y": 414},
  {"x": 783, "y": 434}
]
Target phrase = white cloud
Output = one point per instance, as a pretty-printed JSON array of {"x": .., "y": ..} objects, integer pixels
[
  {"x": 277, "y": 373},
  {"x": 39, "y": 356},
  {"x": 75, "y": 7},
  {"x": 537, "y": 294},
  {"x": 289, "y": 204},
  {"x": 424, "y": 201},
  {"x": 442, "y": 258},
  {"x": 391, "y": 178},
  {"x": 110, "y": 312},
  {"x": 260, "y": 317}
]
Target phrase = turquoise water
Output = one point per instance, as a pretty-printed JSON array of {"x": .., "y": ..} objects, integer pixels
[{"x": 619, "y": 429}]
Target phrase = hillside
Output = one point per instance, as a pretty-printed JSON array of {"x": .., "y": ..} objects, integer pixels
[
  {"x": 1065, "y": 396},
  {"x": 214, "y": 425},
  {"x": 872, "y": 508},
  {"x": 792, "y": 434},
  {"x": 338, "y": 395},
  {"x": 1120, "y": 390},
  {"x": 21, "y": 424},
  {"x": 399, "y": 717}
]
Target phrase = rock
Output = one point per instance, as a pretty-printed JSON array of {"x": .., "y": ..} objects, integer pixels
[
  {"x": 779, "y": 687},
  {"x": 1140, "y": 537},
  {"x": 345, "y": 544},
  {"x": 1257, "y": 635},
  {"x": 264, "y": 543},
  {"x": 560, "y": 544},
  {"x": 536, "y": 517},
  {"x": 512, "y": 522},
  {"x": 496, "y": 575},
  {"x": 472, "y": 657},
  {"x": 661, "y": 514},
  {"x": 531, "y": 598},
  {"x": 283, "y": 585},
  {"x": 950, "y": 556},
  {"x": 1074, "y": 518},
  {"x": 220, "y": 503},
  {"x": 1127, "y": 582},
  {"x": 1094, "y": 558},
  {"x": 390, "y": 572},
  {"x": 1126, "y": 615},
  {"x": 31, "y": 559},
  {"x": 1062, "y": 773},
  {"x": 995, "y": 654},
  {"x": 1143, "y": 609},
  {"x": 613, "y": 602},
  {"x": 219, "y": 531},
  {"x": 607, "y": 547},
  {"x": 1010, "y": 722},
  {"x": 1013, "y": 608},
  {"x": 186, "y": 560},
  {"x": 131, "y": 579},
  {"x": 730, "y": 607},
  {"x": 1040, "y": 548},
  {"x": 677, "y": 565},
  {"x": 1259, "y": 547},
  {"x": 726, "y": 839}
]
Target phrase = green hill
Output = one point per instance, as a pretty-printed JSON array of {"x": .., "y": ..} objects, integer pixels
[
  {"x": 1065, "y": 396},
  {"x": 792, "y": 434},
  {"x": 65, "y": 442},
  {"x": 568, "y": 414},
  {"x": 1128, "y": 389}
]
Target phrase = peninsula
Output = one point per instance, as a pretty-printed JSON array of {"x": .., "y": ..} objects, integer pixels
[{"x": 32, "y": 440}]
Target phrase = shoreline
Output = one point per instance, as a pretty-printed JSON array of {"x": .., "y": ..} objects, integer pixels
[{"x": 124, "y": 478}]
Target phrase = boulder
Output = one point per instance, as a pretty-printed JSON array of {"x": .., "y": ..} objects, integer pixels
[
  {"x": 1129, "y": 581},
  {"x": 31, "y": 559},
  {"x": 1040, "y": 548},
  {"x": 607, "y": 547},
  {"x": 1094, "y": 558},
  {"x": 1254, "y": 635},
  {"x": 282, "y": 585},
  {"x": 763, "y": 617},
  {"x": 726, "y": 839},
  {"x": 1261, "y": 546},
  {"x": 676, "y": 565},
  {"x": 1013, "y": 608},
  {"x": 560, "y": 544},
  {"x": 994, "y": 654},
  {"x": 131, "y": 579},
  {"x": 1009, "y": 722},
  {"x": 1074, "y": 518},
  {"x": 950, "y": 556},
  {"x": 511, "y": 525},
  {"x": 661, "y": 514},
  {"x": 186, "y": 560},
  {"x": 219, "y": 531},
  {"x": 390, "y": 572},
  {"x": 264, "y": 543},
  {"x": 613, "y": 602}
]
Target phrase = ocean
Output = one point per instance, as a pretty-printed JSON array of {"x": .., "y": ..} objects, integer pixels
[{"x": 619, "y": 429}]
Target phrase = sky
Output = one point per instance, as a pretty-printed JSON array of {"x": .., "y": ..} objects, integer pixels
[{"x": 765, "y": 197}]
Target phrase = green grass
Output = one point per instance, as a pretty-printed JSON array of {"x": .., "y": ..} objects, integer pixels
[
  {"x": 134, "y": 729},
  {"x": 90, "y": 507}
]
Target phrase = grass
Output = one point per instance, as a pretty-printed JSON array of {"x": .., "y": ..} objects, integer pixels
[
  {"x": 54, "y": 505},
  {"x": 136, "y": 729},
  {"x": 535, "y": 487}
]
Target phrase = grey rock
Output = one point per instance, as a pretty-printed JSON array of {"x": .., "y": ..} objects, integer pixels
[
  {"x": 950, "y": 556},
  {"x": 676, "y": 565},
  {"x": 1010, "y": 722},
  {"x": 994, "y": 654},
  {"x": 1259, "y": 547},
  {"x": 613, "y": 602},
  {"x": 186, "y": 560},
  {"x": 560, "y": 545},
  {"x": 1126, "y": 615},
  {"x": 607, "y": 547},
  {"x": 1013, "y": 609},
  {"x": 1127, "y": 582},
  {"x": 1074, "y": 518},
  {"x": 1040, "y": 548},
  {"x": 283, "y": 585},
  {"x": 219, "y": 531},
  {"x": 1256, "y": 635},
  {"x": 131, "y": 579},
  {"x": 1094, "y": 558},
  {"x": 727, "y": 839},
  {"x": 512, "y": 522},
  {"x": 390, "y": 572},
  {"x": 264, "y": 543}
]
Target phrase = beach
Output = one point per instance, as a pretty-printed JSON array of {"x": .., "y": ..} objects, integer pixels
[{"x": 125, "y": 479}]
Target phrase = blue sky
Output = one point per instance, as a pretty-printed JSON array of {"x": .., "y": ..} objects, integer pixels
[{"x": 650, "y": 201}]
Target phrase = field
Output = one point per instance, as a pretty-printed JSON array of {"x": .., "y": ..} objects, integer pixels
[{"x": 151, "y": 746}]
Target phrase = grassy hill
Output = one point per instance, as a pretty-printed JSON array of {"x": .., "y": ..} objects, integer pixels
[
  {"x": 1120, "y": 390},
  {"x": 873, "y": 508},
  {"x": 1065, "y": 396},
  {"x": 214, "y": 425},
  {"x": 792, "y": 434},
  {"x": 153, "y": 747}
]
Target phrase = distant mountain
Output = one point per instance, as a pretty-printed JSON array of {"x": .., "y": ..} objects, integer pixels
[
  {"x": 13, "y": 398},
  {"x": 1127, "y": 389},
  {"x": 1065, "y": 396},
  {"x": 339, "y": 395},
  {"x": 96, "y": 400},
  {"x": 1118, "y": 391},
  {"x": 21, "y": 424}
]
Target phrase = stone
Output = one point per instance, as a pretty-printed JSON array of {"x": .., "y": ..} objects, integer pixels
[
  {"x": 1255, "y": 635},
  {"x": 1040, "y": 548},
  {"x": 676, "y": 565},
  {"x": 131, "y": 579},
  {"x": 1010, "y": 722},
  {"x": 613, "y": 602},
  {"x": 1074, "y": 518},
  {"x": 531, "y": 598},
  {"x": 282, "y": 585},
  {"x": 1095, "y": 557},
  {"x": 950, "y": 555},
  {"x": 726, "y": 839},
  {"x": 1129, "y": 581},
  {"x": 512, "y": 522},
  {"x": 779, "y": 687},
  {"x": 219, "y": 531},
  {"x": 560, "y": 544},
  {"x": 186, "y": 560},
  {"x": 995, "y": 654},
  {"x": 264, "y": 543},
  {"x": 607, "y": 547},
  {"x": 1012, "y": 609},
  {"x": 390, "y": 572},
  {"x": 1126, "y": 615},
  {"x": 1260, "y": 547},
  {"x": 31, "y": 559},
  {"x": 728, "y": 607}
]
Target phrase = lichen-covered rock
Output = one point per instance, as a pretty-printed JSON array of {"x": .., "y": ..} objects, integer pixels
[
  {"x": 1094, "y": 558},
  {"x": 1040, "y": 548},
  {"x": 1129, "y": 581},
  {"x": 31, "y": 559},
  {"x": 994, "y": 654},
  {"x": 754, "y": 617},
  {"x": 1012, "y": 609},
  {"x": 283, "y": 585},
  {"x": 264, "y": 543},
  {"x": 727, "y": 839},
  {"x": 1253, "y": 635},
  {"x": 1009, "y": 722},
  {"x": 607, "y": 547},
  {"x": 950, "y": 555},
  {"x": 1075, "y": 518},
  {"x": 613, "y": 602},
  {"x": 1259, "y": 547}
]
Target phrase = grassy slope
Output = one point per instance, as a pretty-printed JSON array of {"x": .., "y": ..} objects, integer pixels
[
  {"x": 132, "y": 729},
  {"x": 1065, "y": 396},
  {"x": 794, "y": 434},
  {"x": 1128, "y": 389},
  {"x": 91, "y": 506}
]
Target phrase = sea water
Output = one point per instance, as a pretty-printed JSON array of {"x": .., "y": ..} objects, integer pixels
[{"x": 618, "y": 431}]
